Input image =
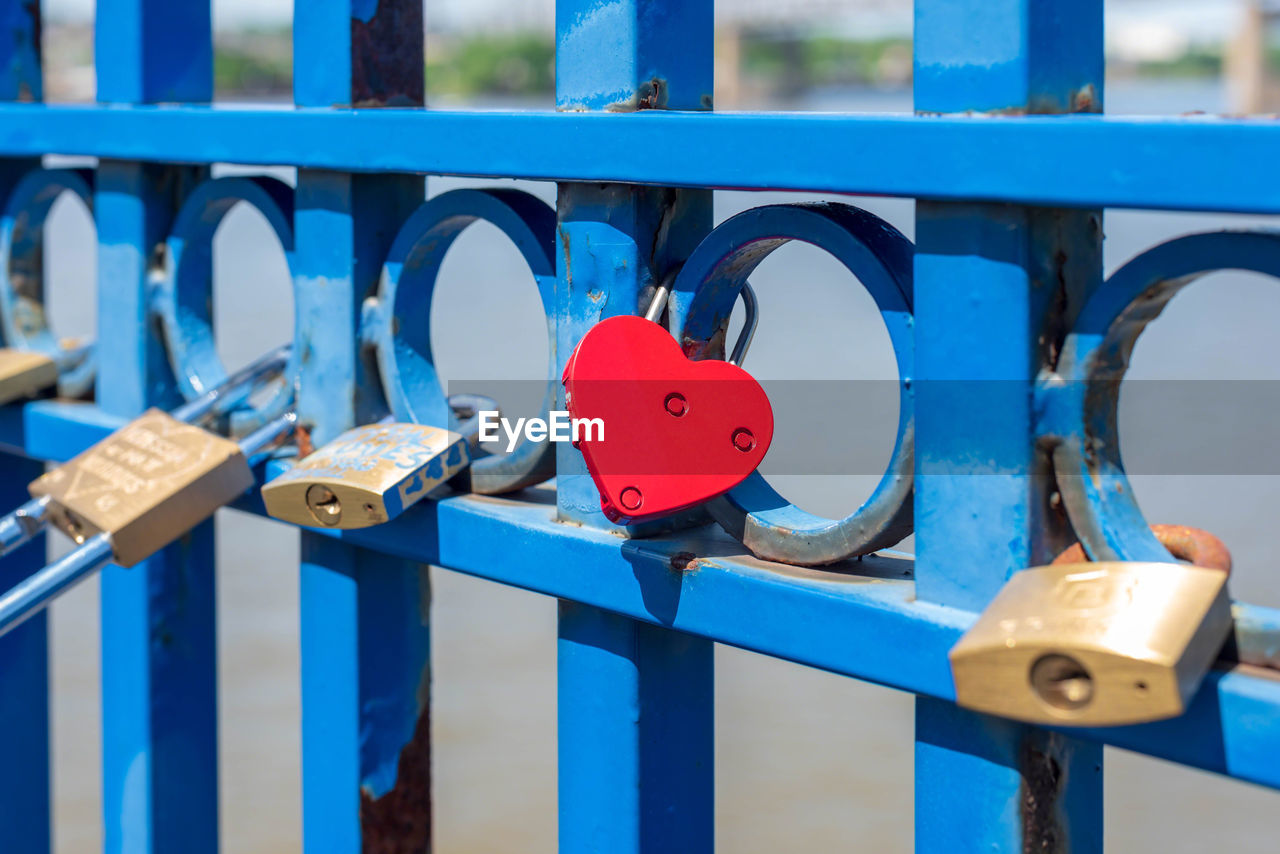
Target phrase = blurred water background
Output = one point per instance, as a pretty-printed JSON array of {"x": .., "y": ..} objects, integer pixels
[{"x": 805, "y": 761}]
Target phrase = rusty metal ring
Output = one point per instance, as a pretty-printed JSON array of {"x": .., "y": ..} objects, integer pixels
[
  {"x": 1194, "y": 545},
  {"x": 1078, "y": 403},
  {"x": 880, "y": 259},
  {"x": 24, "y": 321}
]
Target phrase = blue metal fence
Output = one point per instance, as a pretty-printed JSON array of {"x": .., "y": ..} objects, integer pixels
[{"x": 1006, "y": 276}]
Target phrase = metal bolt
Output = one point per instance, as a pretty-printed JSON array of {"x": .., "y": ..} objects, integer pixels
[
  {"x": 1062, "y": 682},
  {"x": 676, "y": 404},
  {"x": 743, "y": 440},
  {"x": 325, "y": 507},
  {"x": 631, "y": 498}
]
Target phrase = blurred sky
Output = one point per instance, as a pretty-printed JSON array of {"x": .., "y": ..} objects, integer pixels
[{"x": 1131, "y": 19}]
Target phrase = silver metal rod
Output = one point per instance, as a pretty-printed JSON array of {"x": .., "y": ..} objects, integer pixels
[
  {"x": 224, "y": 395},
  {"x": 266, "y": 435},
  {"x": 660, "y": 296},
  {"x": 30, "y": 519},
  {"x": 71, "y": 358},
  {"x": 35, "y": 593},
  {"x": 749, "y": 323},
  {"x": 22, "y": 524},
  {"x": 31, "y": 596}
]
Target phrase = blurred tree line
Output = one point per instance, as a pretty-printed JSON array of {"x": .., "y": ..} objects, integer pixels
[{"x": 258, "y": 63}]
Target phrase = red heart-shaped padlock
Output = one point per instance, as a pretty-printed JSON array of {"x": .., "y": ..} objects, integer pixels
[{"x": 676, "y": 432}]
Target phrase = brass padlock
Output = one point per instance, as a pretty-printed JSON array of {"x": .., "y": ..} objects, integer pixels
[
  {"x": 367, "y": 476},
  {"x": 145, "y": 485},
  {"x": 25, "y": 373},
  {"x": 371, "y": 474},
  {"x": 1094, "y": 644}
]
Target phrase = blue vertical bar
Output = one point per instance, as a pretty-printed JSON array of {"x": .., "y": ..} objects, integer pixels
[
  {"x": 154, "y": 51},
  {"x": 159, "y": 665},
  {"x": 995, "y": 288},
  {"x": 21, "y": 78},
  {"x": 25, "y": 784},
  {"x": 24, "y": 653},
  {"x": 366, "y": 741},
  {"x": 635, "y": 732},
  {"x": 635, "y": 701}
]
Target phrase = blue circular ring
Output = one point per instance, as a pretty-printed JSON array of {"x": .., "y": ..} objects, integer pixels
[
  {"x": 1081, "y": 401},
  {"x": 702, "y": 299},
  {"x": 402, "y": 335},
  {"x": 23, "y": 319},
  {"x": 182, "y": 298}
]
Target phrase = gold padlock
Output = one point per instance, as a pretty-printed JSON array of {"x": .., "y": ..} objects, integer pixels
[
  {"x": 25, "y": 373},
  {"x": 1094, "y": 644},
  {"x": 367, "y": 476},
  {"x": 144, "y": 485}
]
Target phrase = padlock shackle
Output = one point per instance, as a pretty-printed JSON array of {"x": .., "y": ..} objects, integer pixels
[
  {"x": 662, "y": 293},
  {"x": 227, "y": 393},
  {"x": 34, "y": 593},
  {"x": 19, "y": 527},
  {"x": 267, "y": 436},
  {"x": 22, "y": 525},
  {"x": 1193, "y": 545},
  {"x": 749, "y": 323},
  {"x": 72, "y": 357}
]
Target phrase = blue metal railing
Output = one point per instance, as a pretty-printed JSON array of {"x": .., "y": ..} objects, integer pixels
[{"x": 1008, "y": 200}]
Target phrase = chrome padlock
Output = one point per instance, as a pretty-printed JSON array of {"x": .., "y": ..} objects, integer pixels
[
  {"x": 144, "y": 485},
  {"x": 1094, "y": 644},
  {"x": 372, "y": 474},
  {"x": 25, "y": 373}
]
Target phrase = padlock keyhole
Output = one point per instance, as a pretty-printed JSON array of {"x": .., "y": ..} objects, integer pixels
[
  {"x": 325, "y": 506},
  {"x": 1062, "y": 682}
]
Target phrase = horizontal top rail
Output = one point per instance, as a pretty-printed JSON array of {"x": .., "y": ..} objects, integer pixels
[{"x": 1176, "y": 163}]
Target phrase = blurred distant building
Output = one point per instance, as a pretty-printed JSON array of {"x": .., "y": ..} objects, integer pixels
[
  {"x": 766, "y": 50},
  {"x": 1249, "y": 65}
]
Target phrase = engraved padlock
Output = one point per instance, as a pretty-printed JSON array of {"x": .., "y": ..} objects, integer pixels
[
  {"x": 155, "y": 478},
  {"x": 156, "y": 447},
  {"x": 371, "y": 474},
  {"x": 144, "y": 485},
  {"x": 1094, "y": 644}
]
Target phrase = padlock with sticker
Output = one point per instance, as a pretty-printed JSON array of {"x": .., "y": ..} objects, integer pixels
[
  {"x": 676, "y": 432},
  {"x": 372, "y": 474}
]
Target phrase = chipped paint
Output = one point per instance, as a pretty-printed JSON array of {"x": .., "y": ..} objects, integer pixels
[
  {"x": 1043, "y": 782},
  {"x": 386, "y": 68},
  {"x": 399, "y": 822}
]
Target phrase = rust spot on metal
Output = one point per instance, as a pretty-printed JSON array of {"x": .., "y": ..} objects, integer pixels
[
  {"x": 1042, "y": 784},
  {"x": 650, "y": 95},
  {"x": 302, "y": 437},
  {"x": 1197, "y": 547},
  {"x": 387, "y": 58},
  {"x": 684, "y": 562},
  {"x": 399, "y": 822},
  {"x": 32, "y": 8},
  {"x": 1085, "y": 100}
]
